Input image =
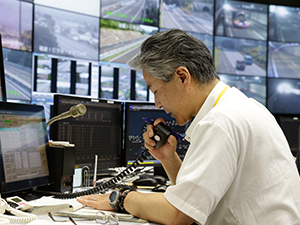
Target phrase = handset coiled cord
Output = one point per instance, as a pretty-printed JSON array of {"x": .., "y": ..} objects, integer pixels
[
  {"x": 101, "y": 188},
  {"x": 21, "y": 217}
]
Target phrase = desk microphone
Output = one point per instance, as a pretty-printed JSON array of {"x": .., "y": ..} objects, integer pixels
[{"x": 75, "y": 111}]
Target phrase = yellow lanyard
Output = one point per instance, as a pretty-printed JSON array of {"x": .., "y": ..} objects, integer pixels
[{"x": 220, "y": 95}]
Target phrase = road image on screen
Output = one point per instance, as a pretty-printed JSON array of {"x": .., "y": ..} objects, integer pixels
[
  {"x": 252, "y": 86},
  {"x": 16, "y": 24},
  {"x": 194, "y": 16},
  {"x": 144, "y": 12},
  {"x": 284, "y": 60},
  {"x": 240, "y": 56},
  {"x": 120, "y": 41},
  {"x": 65, "y": 33},
  {"x": 284, "y": 23},
  {"x": 241, "y": 19},
  {"x": 205, "y": 38},
  {"x": 18, "y": 74}
]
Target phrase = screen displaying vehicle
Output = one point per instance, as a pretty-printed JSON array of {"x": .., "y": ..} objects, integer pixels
[
  {"x": 16, "y": 25},
  {"x": 240, "y": 56},
  {"x": 241, "y": 19},
  {"x": 284, "y": 23},
  {"x": 18, "y": 74},
  {"x": 120, "y": 42},
  {"x": 284, "y": 95},
  {"x": 194, "y": 16},
  {"x": 284, "y": 60},
  {"x": 252, "y": 86},
  {"x": 144, "y": 12},
  {"x": 64, "y": 33}
]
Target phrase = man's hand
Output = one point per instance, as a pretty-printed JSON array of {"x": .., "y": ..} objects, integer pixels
[
  {"x": 100, "y": 201},
  {"x": 165, "y": 151}
]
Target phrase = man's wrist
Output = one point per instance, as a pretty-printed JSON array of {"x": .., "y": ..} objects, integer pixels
[{"x": 117, "y": 197}]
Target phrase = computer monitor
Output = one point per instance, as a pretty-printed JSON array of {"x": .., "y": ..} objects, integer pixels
[
  {"x": 2, "y": 75},
  {"x": 98, "y": 132},
  {"x": 135, "y": 126},
  {"x": 23, "y": 140},
  {"x": 290, "y": 125}
]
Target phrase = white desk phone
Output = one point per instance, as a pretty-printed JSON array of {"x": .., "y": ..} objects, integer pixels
[{"x": 20, "y": 217}]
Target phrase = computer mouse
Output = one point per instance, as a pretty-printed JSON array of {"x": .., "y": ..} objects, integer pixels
[
  {"x": 160, "y": 179},
  {"x": 145, "y": 182}
]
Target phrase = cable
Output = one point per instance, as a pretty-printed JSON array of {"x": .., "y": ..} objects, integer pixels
[{"x": 102, "y": 188}]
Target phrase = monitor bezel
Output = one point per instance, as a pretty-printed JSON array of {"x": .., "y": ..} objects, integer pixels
[
  {"x": 31, "y": 183},
  {"x": 54, "y": 126},
  {"x": 2, "y": 73}
]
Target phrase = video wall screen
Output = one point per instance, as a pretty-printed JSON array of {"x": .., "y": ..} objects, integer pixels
[
  {"x": 284, "y": 60},
  {"x": 16, "y": 24},
  {"x": 193, "y": 16},
  {"x": 284, "y": 23},
  {"x": 284, "y": 95},
  {"x": 241, "y": 19},
  {"x": 18, "y": 75},
  {"x": 43, "y": 79},
  {"x": 144, "y": 12},
  {"x": 90, "y": 7},
  {"x": 120, "y": 42},
  {"x": 255, "y": 46},
  {"x": 205, "y": 38},
  {"x": 253, "y": 86},
  {"x": 65, "y": 33},
  {"x": 240, "y": 56}
]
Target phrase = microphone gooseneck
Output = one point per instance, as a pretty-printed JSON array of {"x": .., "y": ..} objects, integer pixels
[{"x": 75, "y": 111}]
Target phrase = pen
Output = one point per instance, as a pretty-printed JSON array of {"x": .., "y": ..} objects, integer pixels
[
  {"x": 151, "y": 122},
  {"x": 95, "y": 171}
]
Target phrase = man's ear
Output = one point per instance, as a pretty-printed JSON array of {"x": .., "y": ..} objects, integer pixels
[{"x": 184, "y": 75}]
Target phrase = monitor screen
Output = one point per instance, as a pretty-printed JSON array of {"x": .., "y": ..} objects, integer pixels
[
  {"x": 240, "y": 56},
  {"x": 2, "y": 75},
  {"x": 144, "y": 12},
  {"x": 283, "y": 60},
  {"x": 284, "y": 23},
  {"x": 120, "y": 41},
  {"x": 18, "y": 75},
  {"x": 65, "y": 33},
  {"x": 253, "y": 86},
  {"x": 241, "y": 19},
  {"x": 16, "y": 24},
  {"x": 98, "y": 132},
  {"x": 135, "y": 126},
  {"x": 194, "y": 16},
  {"x": 23, "y": 139},
  {"x": 290, "y": 125},
  {"x": 283, "y": 95}
]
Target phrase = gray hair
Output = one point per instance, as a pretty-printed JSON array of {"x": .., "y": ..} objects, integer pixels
[{"x": 162, "y": 53}]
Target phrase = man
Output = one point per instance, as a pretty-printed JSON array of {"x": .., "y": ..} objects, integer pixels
[{"x": 238, "y": 168}]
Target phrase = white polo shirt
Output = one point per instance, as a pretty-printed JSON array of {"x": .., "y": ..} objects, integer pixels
[{"x": 238, "y": 168}]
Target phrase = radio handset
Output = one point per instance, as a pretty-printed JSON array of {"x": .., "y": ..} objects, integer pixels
[{"x": 161, "y": 133}]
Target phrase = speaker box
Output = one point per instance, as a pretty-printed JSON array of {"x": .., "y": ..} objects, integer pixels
[{"x": 61, "y": 165}]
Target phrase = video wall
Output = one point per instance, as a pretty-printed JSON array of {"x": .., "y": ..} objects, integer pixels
[{"x": 256, "y": 47}]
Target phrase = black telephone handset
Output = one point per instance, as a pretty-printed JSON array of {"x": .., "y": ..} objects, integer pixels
[{"x": 161, "y": 134}]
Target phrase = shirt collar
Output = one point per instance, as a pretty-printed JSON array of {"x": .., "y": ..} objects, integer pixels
[{"x": 206, "y": 107}]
